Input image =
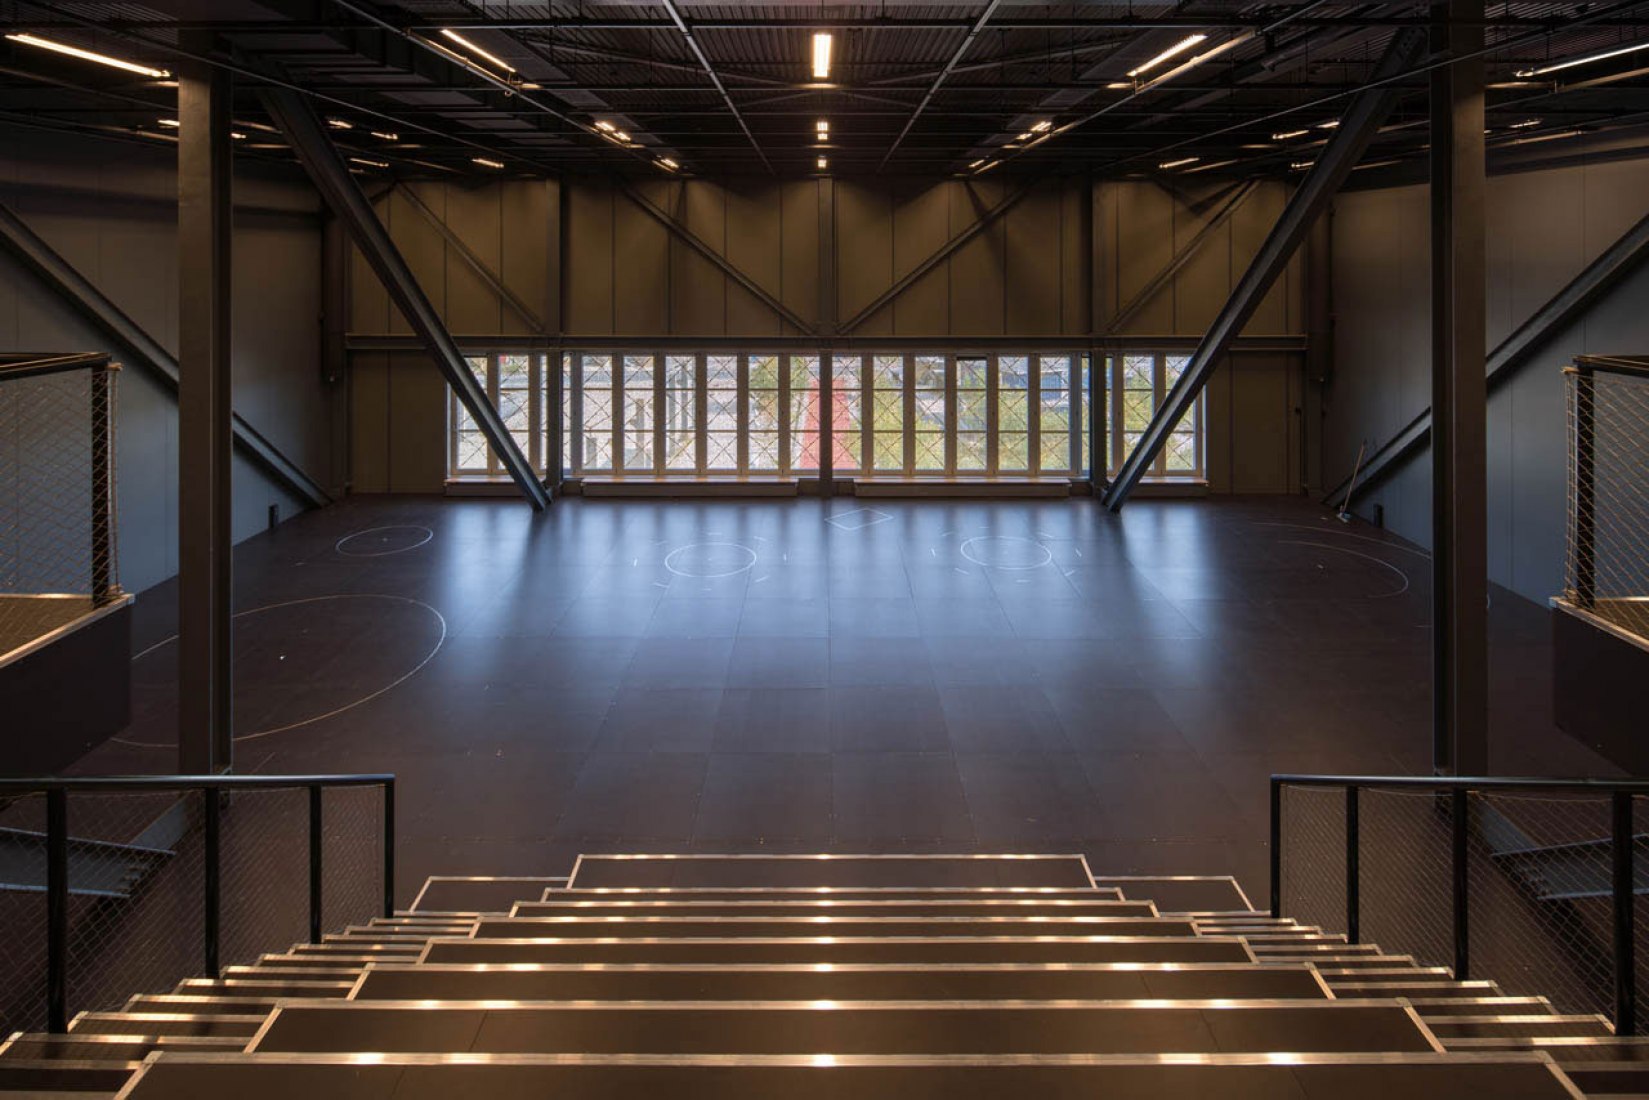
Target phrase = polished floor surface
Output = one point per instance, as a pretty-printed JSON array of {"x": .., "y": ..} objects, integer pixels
[{"x": 836, "y": 675}]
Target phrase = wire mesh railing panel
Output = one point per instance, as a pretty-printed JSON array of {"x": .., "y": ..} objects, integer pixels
[
  {"x": 1406, "y": 879},
  {"x": 352, "y": 856},
  {"x": 1314, "y": 867},
  {"x": 57, "y": 553},
  {"x": 136, "y": 895},
  {"x": 1539, "y": 891},
  {"x": 23, "y": 914},
  {"x": 264, "y": 853},
  {"x": 1640, "y": 901},
  {"x": 1607, "y": 550}
]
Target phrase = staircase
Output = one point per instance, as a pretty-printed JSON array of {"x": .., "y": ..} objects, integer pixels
[{"x": 830, "y": 976}]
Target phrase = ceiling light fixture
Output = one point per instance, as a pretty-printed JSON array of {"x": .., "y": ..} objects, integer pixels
[
  {"x": 1181, "y": 163},
  {"x": 385, "y": 135},
  {"x": 476, "y": 50},
  {"x": 666, "y": 162},
  {"x": 1285, "y": 135},
  {"x": 170, "y": 123},
  {"x": 340, "y": 124},
  {"x": 988, "y": 165},
  {"x": 1533, "y": 138},
  {"x": 1331, "y": 124},
  {"x": 88, "y": 55},
  {"x": 488, "y": 162},
  {"x": 369, "y": 162},
  {"x": 1119, "y": 86},
  {"x": 605, "y": 126},
  {"x": 1586, "y": 60},
  {"x": 821, "y": 55},
  {"x": 1210, "y": 166},
  {"x": 1525, "y": 124},
  {"x": 1170, "y": 53},
  {"x": 1302, "y": 165},
  {"x": 1042, "y": 127},
  {"x": 1191, "y": 63},
  {"x": 823, "y": 163},
  {"x": 976, "y": 163}
]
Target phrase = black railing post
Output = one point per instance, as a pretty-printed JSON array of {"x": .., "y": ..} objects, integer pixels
[
  {"x": 1626, "y": 1001},
  {"x": 1353, "y": 853},
  {"x": 315, "y": 864},
  {"x": 1462, "y": 923},
  {"x": 1276, "y": 849},
  {"x": 212, "y": 807},
  {"x": 1584, "y": 443},
  {"x": 57, "y": 911},
  {"x": 389, "y": 848}
]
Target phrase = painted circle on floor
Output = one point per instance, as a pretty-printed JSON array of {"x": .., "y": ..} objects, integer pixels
[
  {"x": 1011, "y": 552},
  {"x": 1359, "y": 581},
  {"x": 378, "y": 542},
  {"x": 300, "y": 661},
  {"x": 709, "y": 560}
]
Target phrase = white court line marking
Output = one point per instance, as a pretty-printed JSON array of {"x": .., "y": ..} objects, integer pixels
[
  {"x": 336, "y": 710},
  {"x": 746, "y": 567},
  {"x": 968, "y": 546},
  {"x": 338, "y": 546},
  {"x": 1345, "y": 534},
  {"x": 1365, "y": 557}
]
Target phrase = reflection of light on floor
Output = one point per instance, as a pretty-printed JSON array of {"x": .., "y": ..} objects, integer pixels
[
  {"x": 710, "y": 560},
  {"x": 439, "y": 619}
]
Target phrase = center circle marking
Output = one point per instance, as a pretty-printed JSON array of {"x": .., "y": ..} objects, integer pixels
[
  {"x": 1011, "y": 552},
  {"x": 709, "y": 560}
]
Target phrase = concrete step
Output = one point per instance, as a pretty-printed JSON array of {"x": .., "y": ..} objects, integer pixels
[
  {"x": 1212, "y": 1077},
  {"x": 836, "y": 950},
  {"x": 332, "y": 945},
  {"x": 650, "y": 927},
  {"x": 1431, "y": 1006},
  {"x": 1426, "y": 986},
  {"x": 832, "y": 907},
  {"x": 30, "y": 1047},
  {"x": 218, "y": 1003},
  {"x": 836, "y": 893},
  {"x": 478, "y": 893},
  {"x": 1510, "y": 1026},
  {"x": 441, "y": 982},
  {"x": 903, "y": 871},
  {"x": 258, "y": 985},
  {"x": 1338, "y": 963},
  {"x": 214, "y": 1025},
  {"x": 845, "y": 1027},
  {"x": 1183, "y": 893},
  {"x": 85, "y": 1080}
]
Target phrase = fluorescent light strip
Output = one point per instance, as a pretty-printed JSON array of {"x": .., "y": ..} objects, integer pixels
[
  {"x": 1187, "y": 66},
  {"x": 477, "y": 50},
  {"x": 822, "y": 43},
  {"x": 1286, "y": 135},
  {"x": 666, "y": 162},
  {"x": 369, "y": 162},
  {"x": 1181, "y": 163},
  {"x": 487, "y": 162},
  {"x": 823, "y": 163},
  {"x": 1587, "y": 60},
  {"x": 88, "y": 55},
  {"x": 1170, "y": 53},
  {"x": 1210, "y": 166}
]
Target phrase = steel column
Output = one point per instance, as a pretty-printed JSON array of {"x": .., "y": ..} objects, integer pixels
[
  {"x": 1369, "y": 108},
  {"x": 1459, "y": 399},
  {"x": 205, "y": 537},
  {"x": 298, "y": 122}
]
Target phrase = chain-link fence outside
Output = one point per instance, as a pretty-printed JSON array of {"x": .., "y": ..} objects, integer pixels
[
  {"x": 1538, "y": 883},
  {"x": 1607, "y": 549},
  {"x": 57, "y": 512},
  {"x": 137, "y": 882}
]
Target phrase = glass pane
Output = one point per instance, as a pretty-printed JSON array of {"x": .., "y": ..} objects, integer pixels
[
  {"x": 762, "y": 413},
  {"x": 1172, "y": 367},
  {"x": 930, "y": 452},
  {"x": 847, "y": 413},
  {"x": 804, "y": 412},
  {"x": 1012, "y": 451},
  {"x": 1136, "y": 410},
  {"x": 1054, "y": 415},
  {"x": 971, "y": 374},
  {"x": 680, "y": 413},
  {"x": 970, "y": 451},
  {"x": 1055, "y": 454},
  {"x": 597, "y": 426},
  {"x": 639, "y": 411},
  {"x": 567, "y": 414},
  {"x": 1181, "y": 453},
  {"x": 1139, "y": 372},
  {"x": 1013, "y": 379},
  {"x": 721, "y": 412}
]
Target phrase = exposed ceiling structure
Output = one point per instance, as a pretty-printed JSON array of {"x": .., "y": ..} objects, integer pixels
[{"x": 1198, "y": 88}]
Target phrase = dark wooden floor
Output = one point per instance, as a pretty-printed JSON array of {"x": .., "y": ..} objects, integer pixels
[{"x": 1020, "y": 676}]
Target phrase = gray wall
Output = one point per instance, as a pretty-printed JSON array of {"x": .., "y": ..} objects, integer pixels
[
  {"x": 110, "y": 209},
  {"x": 1543, "y": 228},
  {"x": 593, "y": 263}
]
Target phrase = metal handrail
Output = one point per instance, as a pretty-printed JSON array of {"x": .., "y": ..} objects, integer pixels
[
  {"x": 32, "y": 364},
  {"x": 1458, "y": 789},
  {"x": 57, "y": 791}
]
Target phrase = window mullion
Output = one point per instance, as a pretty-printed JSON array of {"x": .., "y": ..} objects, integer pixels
[
  {"x": 951, "y": 410},
  {"x": 784, "y": 414},
  {"x": 1033, "y": 414},
  {"x": 993, "y": 418}
]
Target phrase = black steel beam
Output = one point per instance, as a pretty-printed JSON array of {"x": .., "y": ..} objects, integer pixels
[
  {"x": 95, "y": 308},
  {"x": 954, "y": 60},
  {"x": 939, "y": 256},
  {"x": 494, "y": 281},
  {"x": 1176, "y": 263},
  {"x": 307, "y": 135},
  {"x": 205, "y": 493},
  {"x": 710, "y": 71},
  {"x": 1597, "y": 278},
  {"x": 1459, "y": 398},
  {"x": 1351, "y": 138},
  {"x": 722, "y": 263}
]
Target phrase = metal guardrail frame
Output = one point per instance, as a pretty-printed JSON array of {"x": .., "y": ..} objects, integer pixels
[
  {"x": 57, "y": 791},
  {"x": 1459, "y": 789}
]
